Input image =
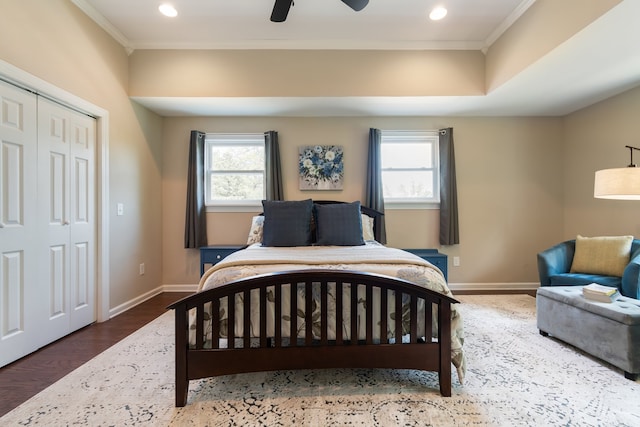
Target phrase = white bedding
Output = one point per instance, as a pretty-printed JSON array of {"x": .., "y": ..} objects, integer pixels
[{"x": 372, "y": 257}]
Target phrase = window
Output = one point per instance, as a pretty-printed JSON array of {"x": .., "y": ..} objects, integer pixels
[
  {"x": 234, "y": 169},
  {"x": 410, "y": 176}
]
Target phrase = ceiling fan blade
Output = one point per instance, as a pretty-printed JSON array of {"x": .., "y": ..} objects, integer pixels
[
  {"x": 281, "y": 10},
  {"x": 356, "y": 5}
]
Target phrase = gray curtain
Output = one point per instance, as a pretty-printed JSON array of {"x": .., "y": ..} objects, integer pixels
[
  {"x": 195, "y": 228},
  {"x": 374, "y": 198},
  {"x": 273, "y": 169},
  {"x": 449, "y": 231}
]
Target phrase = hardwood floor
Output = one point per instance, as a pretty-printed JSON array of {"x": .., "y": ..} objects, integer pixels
[{"x": 25, "y": 377}]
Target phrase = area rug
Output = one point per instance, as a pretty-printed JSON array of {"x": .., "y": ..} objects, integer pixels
[{"x": 515, "y": 377}]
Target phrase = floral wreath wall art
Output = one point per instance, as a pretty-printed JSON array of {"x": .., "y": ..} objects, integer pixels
[{"x": 321, "y": 167}]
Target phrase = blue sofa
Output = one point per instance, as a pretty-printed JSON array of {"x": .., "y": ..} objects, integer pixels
[{"x": 554, "y": 265}]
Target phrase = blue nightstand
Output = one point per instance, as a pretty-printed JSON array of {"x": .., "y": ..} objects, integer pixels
[
  {"x": 214, "y": 254},
  {"x": 434, "y": 257}
]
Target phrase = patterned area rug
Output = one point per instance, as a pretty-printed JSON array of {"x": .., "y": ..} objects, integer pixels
[{"x": 515, "y": 377}]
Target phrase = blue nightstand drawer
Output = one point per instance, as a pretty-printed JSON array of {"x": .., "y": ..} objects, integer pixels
[
  {"x": 214, "y": 254},
  {"x": 434, "y": 257}
]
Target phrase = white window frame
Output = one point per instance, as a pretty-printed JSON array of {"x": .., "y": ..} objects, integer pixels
[
  {"x": 426, "y": 137},
  {"x": 231, "y": 139}
]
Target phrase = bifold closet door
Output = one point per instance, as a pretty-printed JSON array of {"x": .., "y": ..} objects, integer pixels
[
  {"x": 19, "y": 296},
  {"x": 66, "y": 210}
]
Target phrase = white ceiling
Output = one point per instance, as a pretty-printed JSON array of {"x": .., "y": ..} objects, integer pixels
[
  {"x": 598, "y": 62},
  {"x": 323, "y": 24}
]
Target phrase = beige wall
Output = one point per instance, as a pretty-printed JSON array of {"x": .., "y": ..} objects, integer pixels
[
  {"x": 56, "y": 42},
  {"x": 595, "y": 139},
  {"x": 542, "y": 28},
  {"x": 508, "y": 170},
  {"x": 524, "y": 183},
  {"x": 264, "y": 73}
]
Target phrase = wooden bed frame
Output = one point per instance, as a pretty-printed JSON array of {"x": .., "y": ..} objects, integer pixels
[{"x": 276, "y": 353}]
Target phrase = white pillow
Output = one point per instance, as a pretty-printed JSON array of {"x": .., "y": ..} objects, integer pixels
[
  {"x": 255, "y": 233},
  {"x": 367, "y": 228}
]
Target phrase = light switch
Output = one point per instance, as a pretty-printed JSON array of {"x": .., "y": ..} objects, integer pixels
[{"x": 120, "y": 209}]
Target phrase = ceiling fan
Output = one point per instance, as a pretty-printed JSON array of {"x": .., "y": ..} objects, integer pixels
[{"x": 281, "y": 8}]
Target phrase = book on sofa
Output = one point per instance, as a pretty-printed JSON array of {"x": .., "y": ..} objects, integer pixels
[{"x": 600, "y": 293}]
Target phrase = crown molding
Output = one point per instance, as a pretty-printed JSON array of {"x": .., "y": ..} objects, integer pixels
[
  {"x": 99, "y": 19},
  {"x": 508, "y": 22},
  {"x": 317, "y": 45}
]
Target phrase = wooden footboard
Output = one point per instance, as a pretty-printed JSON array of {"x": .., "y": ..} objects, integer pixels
[{"x": 314, "y": 348}]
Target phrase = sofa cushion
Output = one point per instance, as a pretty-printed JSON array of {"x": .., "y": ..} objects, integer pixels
[
  {"x": 606, "y": 255},
  {"x": 573, "y": 279}
]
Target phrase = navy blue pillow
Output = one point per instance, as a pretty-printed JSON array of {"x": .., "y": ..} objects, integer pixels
[
  {"x": 339, "y": 224},
  {"x": 287, "y": 223}
]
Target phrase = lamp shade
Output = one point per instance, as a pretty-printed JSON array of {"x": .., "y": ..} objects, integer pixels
[{"x": 618, "y": 184}]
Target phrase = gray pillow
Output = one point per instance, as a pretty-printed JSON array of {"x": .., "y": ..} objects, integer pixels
[
  {"x": 339, "y": 224},
  {"x": 287, "y": 223}
]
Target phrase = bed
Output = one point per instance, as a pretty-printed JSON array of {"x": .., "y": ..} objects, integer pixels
[{"x": 327, "y": 300}]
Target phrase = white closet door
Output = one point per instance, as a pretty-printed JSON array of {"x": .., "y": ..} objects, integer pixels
[
  {"x": 19, "y": 295},
  {"x": 82, "y": 220},
  {"x": 66, "y": 142}
]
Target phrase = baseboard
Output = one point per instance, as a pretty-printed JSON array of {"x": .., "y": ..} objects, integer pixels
[
  {"x": 133, "y": 302},
  {"x": 499, "y": 287},
  {"x": 466, "y": 287},
  {"x": 180, "y": 288},
  {"x": 148, "y": 295},
  {"x": 523, "y": 286}
]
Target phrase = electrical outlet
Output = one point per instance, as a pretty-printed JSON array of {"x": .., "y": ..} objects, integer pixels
[
  {"x": 142, "y": 269},
  {"x": 456, "y": 261}
]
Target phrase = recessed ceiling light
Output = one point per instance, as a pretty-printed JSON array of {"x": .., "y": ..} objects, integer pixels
[
  {"x": 168, "y": 10},
  {"x": 438, "y": 13}
]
